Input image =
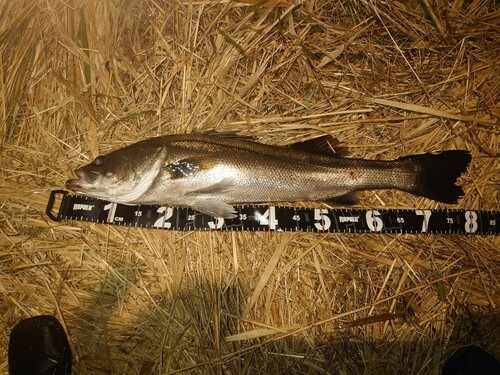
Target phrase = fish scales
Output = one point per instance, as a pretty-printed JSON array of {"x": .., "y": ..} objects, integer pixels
[{"x": 210, "y": 173}]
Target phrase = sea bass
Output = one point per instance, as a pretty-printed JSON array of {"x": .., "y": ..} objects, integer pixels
[{"x": 210, "y": 173}]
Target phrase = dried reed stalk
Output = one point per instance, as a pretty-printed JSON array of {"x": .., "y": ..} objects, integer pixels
[{"x": 84, "y": 77}]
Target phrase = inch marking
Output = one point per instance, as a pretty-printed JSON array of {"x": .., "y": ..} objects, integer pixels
[
  {"x": 427, "y": 215},
  {"x": 321, "y": 214},
  {"x": 161, "y": 222},
  {"x": 373, "y": 220},
  {"x": 267, "y": 218},
  {"x": 111, "y": 207},
  {"x": 471, "y": 225}
]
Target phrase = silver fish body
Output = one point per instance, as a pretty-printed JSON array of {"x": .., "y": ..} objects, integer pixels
[{"x": 210, "y": 173}]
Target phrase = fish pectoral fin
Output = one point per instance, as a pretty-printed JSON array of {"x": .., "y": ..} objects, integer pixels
[
  {"x": 217, "y": 188},
  {"x": 215, "y": 208},
  {"x": 348, "y": 199},
  {"x": 325, "y": 145},
  {"x": 190, "y": 166}
]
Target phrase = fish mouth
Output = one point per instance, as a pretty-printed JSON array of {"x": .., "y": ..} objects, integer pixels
[
  {"x": 73, "y": 185},
  {"x": 85, "y": 181}
]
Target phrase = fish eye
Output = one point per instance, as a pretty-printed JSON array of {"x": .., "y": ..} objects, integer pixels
[{"x": 98, "y": 161}]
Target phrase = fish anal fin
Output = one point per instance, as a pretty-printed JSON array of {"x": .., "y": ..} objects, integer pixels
[
  {"x": 325, "y": 145},
  {"x": 348, "y": 199},
  {"x": 215, "y": 208}
]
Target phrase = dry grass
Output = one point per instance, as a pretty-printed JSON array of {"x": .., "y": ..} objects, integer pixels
[{"x": 79, "y": 78}]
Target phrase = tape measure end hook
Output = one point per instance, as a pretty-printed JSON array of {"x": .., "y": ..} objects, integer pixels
[{"x": 50, "y": 205}]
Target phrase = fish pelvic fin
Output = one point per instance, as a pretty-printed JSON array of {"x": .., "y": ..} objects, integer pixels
[
  {"x": 436, "y": 174},
  {"x": 215, "y": 208}
]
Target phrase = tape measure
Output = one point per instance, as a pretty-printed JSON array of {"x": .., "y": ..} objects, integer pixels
[{"x": 276, "y": 218}]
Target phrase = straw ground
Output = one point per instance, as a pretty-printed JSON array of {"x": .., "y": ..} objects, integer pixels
[{"x": 81, "y": 78}]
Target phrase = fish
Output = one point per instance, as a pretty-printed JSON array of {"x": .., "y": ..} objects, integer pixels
[{"x": 213, "y": 172}]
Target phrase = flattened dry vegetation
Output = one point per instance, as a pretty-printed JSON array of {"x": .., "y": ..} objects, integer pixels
[{"x": 81, "y": 78}]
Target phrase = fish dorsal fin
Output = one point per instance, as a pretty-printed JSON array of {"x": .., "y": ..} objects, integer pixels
[
  {"x": 228, "y": 134},
  {"x": 325, "y": 145}
]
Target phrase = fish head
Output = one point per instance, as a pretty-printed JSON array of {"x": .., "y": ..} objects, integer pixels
[{"x": 121, "y": 176}]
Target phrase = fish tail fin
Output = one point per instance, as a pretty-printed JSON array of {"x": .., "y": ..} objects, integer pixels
[{"x": 436, "y": 174}]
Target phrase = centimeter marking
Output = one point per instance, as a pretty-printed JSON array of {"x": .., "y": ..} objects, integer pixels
[{"x": 277, "y": 218}]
